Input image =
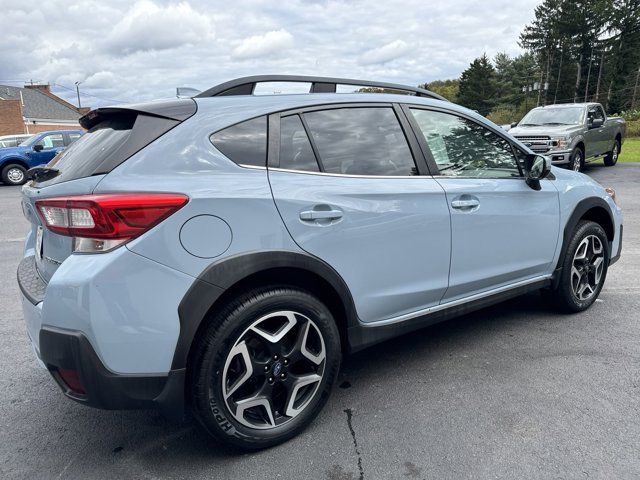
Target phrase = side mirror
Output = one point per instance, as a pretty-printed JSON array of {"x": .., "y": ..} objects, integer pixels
[
  {"x": 536, "y": 167},
  {"x": 38, "y": 147},
  {"x": 596, "y": 123}
]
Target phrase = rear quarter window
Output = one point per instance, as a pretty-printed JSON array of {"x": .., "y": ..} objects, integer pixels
[{"x": 244, "y": 143}]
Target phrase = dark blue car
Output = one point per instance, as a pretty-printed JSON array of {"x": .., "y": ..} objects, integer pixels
[{"x": 37, "y": 150}]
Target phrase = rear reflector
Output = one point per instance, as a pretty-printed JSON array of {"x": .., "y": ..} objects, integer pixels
[
  {"x": 72, "y": 380},
  {"x": 111, "y": 219}
]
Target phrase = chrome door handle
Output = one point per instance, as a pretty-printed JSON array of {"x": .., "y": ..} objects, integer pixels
[
  {"x": 320, "y": 215},
  {"x": 460, "y": 204}
]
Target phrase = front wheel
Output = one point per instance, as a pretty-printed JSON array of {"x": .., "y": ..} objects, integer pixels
[
  {"x": 584, "y": 268},
  {"x": 577, "y": 160},
  {"x": 14, "y": 174},
  {"x": 612, "y": 157},
  {"x": 264, "y": 367}
]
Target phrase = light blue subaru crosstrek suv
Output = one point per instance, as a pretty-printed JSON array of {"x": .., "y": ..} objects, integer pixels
[{"x": 218, "y": 254}]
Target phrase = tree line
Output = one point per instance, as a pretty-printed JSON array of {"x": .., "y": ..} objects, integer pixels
[{"x": 575, "y": 51}]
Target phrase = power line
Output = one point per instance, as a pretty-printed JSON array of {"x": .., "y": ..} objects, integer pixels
[{"x": 92, "y": 95}]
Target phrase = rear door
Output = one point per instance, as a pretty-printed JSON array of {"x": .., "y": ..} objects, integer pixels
[
  {"x": 347, "y": 186},
  {"x": 503, "y": 232}
]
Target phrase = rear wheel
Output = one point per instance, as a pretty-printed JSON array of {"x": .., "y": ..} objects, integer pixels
[
  {"x": 577, "y": 160},
  {"x": 264, "y": 367},
  {"x": 584, "y": 268},
  {"x": 14, "y": 174},
  {"x": 612, "y": 157}
]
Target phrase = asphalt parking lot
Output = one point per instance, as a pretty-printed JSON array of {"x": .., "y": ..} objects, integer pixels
[{"x": 513, "y": 391}]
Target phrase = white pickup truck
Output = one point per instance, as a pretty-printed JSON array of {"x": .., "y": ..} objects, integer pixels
[{"x": 572, "y": 134}]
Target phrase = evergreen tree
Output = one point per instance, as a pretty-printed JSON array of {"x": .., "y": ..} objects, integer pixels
[
  {"x": 623, "y": 56},
  {"x": 478, "y": 86}
]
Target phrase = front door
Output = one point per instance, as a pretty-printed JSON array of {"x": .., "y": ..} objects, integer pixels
[
  {"x": 346, "y": 185},
  {"x": 503, "y": 232},
  {"x": 52, "y": 144}
]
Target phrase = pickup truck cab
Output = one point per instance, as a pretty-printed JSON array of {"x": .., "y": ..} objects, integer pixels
[
  {"x": 37, "y": 150},
  {"x": 572, "y": 134}
]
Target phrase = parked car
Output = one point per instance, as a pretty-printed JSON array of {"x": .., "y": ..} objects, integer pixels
[
  {"x": 220, "y": 254},
  {"x": 572, "y": 134},
  {"x": 37, "y": 150},
  {"x": 13, "y": 140}
]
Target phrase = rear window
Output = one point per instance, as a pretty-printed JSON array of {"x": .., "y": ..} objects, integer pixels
[
  {"x": 244, "y": 143},
  {"x": 92, "y": 149},
  {"x": 107, "y": 144}
]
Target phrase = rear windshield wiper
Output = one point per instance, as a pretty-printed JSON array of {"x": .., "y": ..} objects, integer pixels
[{"x": 42, "y": 174}]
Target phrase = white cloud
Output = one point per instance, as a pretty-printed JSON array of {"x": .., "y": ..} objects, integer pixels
[
  {"x": 148, "y": 26},
  {"x": 386, "y": 53},
  {"x": 274, "y": 42},
  {"x": 143, "y": 49}
]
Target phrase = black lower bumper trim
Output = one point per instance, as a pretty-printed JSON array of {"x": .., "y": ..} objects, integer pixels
[{"x": 69, "y": 350}]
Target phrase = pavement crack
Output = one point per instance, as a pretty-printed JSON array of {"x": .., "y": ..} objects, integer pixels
[{"x": 349, "y": 413}]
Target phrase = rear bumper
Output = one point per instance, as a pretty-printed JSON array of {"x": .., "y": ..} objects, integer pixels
[
  {"x": 99, "y": 318},
  {"x": 68, "y": 350}
]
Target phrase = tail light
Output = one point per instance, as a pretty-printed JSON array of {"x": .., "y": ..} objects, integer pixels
[{"x": 99, "y": 223}]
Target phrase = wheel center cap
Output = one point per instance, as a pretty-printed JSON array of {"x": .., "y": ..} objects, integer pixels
[{"x": 277, "y": 368}]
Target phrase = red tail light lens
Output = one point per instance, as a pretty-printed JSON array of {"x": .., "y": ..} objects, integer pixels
[{"x": 112, "y": 218}]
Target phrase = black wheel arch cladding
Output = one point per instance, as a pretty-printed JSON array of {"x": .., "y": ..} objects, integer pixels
[{"x": 221, "y": 276}]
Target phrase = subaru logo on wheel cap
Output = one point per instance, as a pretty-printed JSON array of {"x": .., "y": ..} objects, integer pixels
[{"x": 277, "y": 368}]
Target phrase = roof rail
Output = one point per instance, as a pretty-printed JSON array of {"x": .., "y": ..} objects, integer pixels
[{"x": 247, "y": 85}]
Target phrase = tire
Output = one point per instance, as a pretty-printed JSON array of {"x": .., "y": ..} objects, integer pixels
[
  {"x": 576, "y": 163},
  {"x": 612, "y": 157},
  {"x": 568, "y": 295},
  {"x": 14, "y": 174},
  {"x": 219, "y": 383}
]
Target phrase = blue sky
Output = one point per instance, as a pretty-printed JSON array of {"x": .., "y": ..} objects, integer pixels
[{"x": 139, "y": 50}]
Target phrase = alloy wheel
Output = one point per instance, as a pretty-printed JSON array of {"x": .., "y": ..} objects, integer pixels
[
  {"x": 587, "y": 267},
  {"x": 615, "y": 153},
  {"x": 274, "y": 369},
  {"x": 577, "y": 161},
  {"x": 15, "y": 175}
]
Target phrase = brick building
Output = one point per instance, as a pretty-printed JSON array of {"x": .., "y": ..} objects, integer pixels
[{"x": 34, "y": 109}]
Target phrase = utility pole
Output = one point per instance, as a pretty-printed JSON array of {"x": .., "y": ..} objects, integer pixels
[
  {"x": 555, "y": 95},
  {"x": 599, "y": 77},
  {"x": 575, "y": 95},
  {"x": 540, "y": 87},
  {"x": 586, "y": 87},
  {"x": 78, "y": 93},
  {"x": 635, "y": 91},
  {"x": 546, "y": 80}
]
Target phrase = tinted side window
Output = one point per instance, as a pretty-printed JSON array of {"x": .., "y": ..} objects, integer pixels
[
  {"x": 461, "y": 147},
  {"x": 52, "y": 141},
  {"x": 295, "y": 149},
  {"x": 73, "y": 137},
  {"x": 245, "y": 143},
  {"x": 361, "y": 141}
]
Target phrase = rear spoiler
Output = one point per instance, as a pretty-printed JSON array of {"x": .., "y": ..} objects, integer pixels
[{"x": 174, "y": 109}]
